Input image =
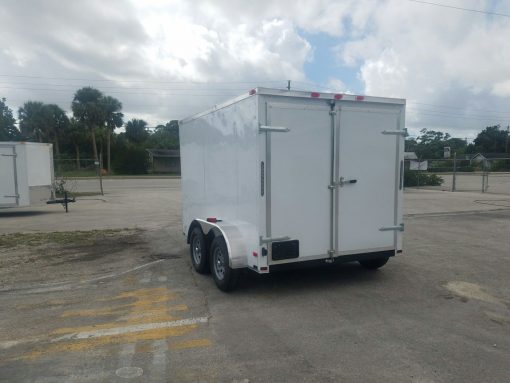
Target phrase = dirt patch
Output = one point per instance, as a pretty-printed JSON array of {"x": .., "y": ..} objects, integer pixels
[
  {"x": 469, "y": 290},
  {"x": 62, "y": 256},
  {"x": 17, "y": 240}
]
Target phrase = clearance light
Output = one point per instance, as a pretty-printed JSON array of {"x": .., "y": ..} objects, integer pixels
[
  {"x": 255, "y": 254},
  {"x": 315, "y": 94},
  {"x": 339, "y": 96},
  {"x": 263, "y": 268},
  {"x": 212, "y": 219},
  {"x": 252, "y": 92},
  {"x": 360, "y": 98}
]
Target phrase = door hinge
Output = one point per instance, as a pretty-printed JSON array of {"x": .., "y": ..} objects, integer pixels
[
  {"x": 264, "y": 240},
  {"x": 395, "y": 132},
  {"x": 11, "y": 196},
  {"x": 10, "y": 155},
  {"x": 276, "y": 129},
  {"x": 395, "y": 228}
]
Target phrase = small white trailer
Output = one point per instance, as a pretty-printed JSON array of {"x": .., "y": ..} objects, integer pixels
[
  {"x": 26, "y": 173},
  {"x": 274, "y": 177}
]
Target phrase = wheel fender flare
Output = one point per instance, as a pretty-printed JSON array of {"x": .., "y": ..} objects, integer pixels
[{"x": 232, "y": 236}]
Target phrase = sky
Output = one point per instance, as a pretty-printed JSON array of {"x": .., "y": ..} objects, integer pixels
[{"x": 169, "y": 59}]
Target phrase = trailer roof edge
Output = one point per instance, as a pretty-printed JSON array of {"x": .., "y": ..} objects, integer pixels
[{"x": 297, "y": 94}]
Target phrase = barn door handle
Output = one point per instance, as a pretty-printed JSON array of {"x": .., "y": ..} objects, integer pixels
[{"x": 342, "y": 182}]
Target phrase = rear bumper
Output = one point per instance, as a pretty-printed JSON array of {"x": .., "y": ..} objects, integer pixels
[{"x": 336, "y": 260}]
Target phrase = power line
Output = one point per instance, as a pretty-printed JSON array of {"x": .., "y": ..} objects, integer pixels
[
  {"x": 455, "y": 107},
  {"x": 463, "y": 115},
  {"x": 143, "y": 81},
  {"x": 124, "y": 92},
  {"x": 74, "y": 86},
  {"x": 460, "y": 8}
]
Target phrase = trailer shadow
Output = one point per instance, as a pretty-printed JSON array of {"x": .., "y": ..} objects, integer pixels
[
  {"x": 308, "y": 277},
  {"x": 17, "y": 214}
]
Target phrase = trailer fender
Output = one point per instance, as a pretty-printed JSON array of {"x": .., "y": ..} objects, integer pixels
[{"x": 232, "y": 236}]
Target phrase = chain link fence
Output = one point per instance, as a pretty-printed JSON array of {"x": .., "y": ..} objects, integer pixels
[
  {"x": 476, "y": 175},
  {"x": 78, "y": 177}
]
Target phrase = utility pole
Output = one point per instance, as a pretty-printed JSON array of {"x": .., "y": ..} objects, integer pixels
[
  {"x": 454, "y": 176},
  {"x": 288, "y": 84}
]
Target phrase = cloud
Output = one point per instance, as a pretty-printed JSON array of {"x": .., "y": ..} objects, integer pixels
[
  {"x": 166, "y": 59},
  {"x": 156, "y": 54},
  {"x": 438, "y": 56}
]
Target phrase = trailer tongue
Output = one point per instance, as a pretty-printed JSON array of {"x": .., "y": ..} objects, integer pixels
[{"x": 293, "y": 177}]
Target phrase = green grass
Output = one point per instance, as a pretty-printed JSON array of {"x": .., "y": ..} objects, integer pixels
[{"x": 9, "y": 241}]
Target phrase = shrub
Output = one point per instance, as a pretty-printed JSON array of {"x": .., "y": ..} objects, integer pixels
[
  {"x": 131, "y": 160},
  {"x": 420, "y": 178}
]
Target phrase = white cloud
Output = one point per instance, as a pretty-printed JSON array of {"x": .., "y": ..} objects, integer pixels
[
  {"x": 155, "y": 50},
  {"x": 437, "y": 56}
]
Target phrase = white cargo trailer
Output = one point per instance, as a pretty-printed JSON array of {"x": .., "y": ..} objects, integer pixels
[
  {"x": 275, "y": 177},
  {"x": 26, "y": 173}
]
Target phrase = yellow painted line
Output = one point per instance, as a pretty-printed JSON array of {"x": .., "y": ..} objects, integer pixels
[{"x": 92, "y": 343}]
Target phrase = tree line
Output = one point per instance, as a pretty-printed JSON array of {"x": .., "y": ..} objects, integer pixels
[
  {"x": 89, "y": 131},
  {"x": 430, "y": 144}
]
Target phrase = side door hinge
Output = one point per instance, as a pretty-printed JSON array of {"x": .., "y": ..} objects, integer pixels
[
  {"x": 393, "y": 228},
  {"x": 402, "y": 132},
  {"x": 264, "y": 240},
  {"x": 276, "y": 129}
]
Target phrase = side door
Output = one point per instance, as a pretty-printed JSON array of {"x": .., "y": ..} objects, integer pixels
[
  {"x": 368, "y": 178},
  {"x": 299, "y": 161},
  {"x": 8, "y": 190}
]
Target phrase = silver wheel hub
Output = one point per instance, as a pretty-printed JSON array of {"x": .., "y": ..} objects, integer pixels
[
  {"x": 219, "y": 263},
  {"x": 197, "y": 250}
]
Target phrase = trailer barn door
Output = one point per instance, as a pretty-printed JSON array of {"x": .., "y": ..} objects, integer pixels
[
  {"x": 8, "y": 193},
  {"x": 299, "y": 171},
  {"x": 367, "y": 178}
]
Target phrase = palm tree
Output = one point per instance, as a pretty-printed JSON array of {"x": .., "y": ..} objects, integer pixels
[
  {"x": 136, "y": 131},
  {"x": 87, "y": 108},
  {"x": 77, "y": 135},
  {"x": 114, "y": 119},
  {"x": 33, "y": 121},
  {"x": 59, "y": 124}
]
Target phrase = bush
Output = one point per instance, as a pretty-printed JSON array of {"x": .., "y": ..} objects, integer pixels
[
  {"x": 131, "y": 160},
  {"x": 420, "y": 178}
]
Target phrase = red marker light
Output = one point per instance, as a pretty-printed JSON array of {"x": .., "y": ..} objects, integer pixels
[
  {"x": 212, "y": 219},
  {"x": 315, "y": 94},
  {"x": 360, "y": 98},
  {"x": 252, "y": 92},
  {"x": 255, "y": 254},
  {"x": 339, "y": 96},
  {"x": 263, "y": 268}
]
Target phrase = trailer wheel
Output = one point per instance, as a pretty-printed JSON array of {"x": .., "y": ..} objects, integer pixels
[
  {"x": 224, "y": 276},
  {"x": 373, "y": 264},
  {"x": 198, "y": 251}
]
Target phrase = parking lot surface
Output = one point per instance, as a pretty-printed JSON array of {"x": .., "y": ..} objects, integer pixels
[{"x": 123, "y": 304}]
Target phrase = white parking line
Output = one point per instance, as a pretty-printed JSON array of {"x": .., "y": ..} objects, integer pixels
[{"x": 131, "y": 329}]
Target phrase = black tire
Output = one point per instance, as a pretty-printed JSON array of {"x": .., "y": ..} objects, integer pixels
[
  {"x": 374, "y": 264},
  {"x": 198, "y": 251},
  {"x": 224, "y": 276}
]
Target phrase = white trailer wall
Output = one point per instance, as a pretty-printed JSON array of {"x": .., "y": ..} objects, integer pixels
[
  {"x": 219, "y": 156},
  {"x": 28, "y": 166}
]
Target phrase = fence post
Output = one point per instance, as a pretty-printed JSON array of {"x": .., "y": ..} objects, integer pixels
[
  {"x": 101, "y": 172},
  {"x": 454, "y": 171}
]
